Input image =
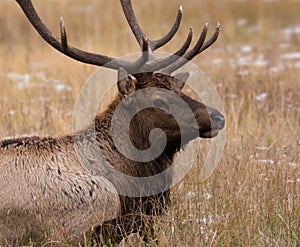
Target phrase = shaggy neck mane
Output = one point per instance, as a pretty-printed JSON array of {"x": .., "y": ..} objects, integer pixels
[
  {"x": 139, "y": 135},
  {"x": 133, "y": 168}
]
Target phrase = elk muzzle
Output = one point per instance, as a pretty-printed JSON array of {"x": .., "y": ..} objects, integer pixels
[
  {"x": 217, "y": 123},
  {"x": 210, "y": 121}
]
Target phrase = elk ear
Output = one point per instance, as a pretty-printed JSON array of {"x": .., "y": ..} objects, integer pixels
[
  {"x": 126, "y": 83},
  {"x": 180, "y": 79}
]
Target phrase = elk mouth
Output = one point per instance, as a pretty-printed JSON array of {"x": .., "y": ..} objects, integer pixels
[
  {"x": 217, "y": 124},
  {"x": 209, "y": 133}
]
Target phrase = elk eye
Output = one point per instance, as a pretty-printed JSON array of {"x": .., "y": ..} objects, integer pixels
[{"x": 161, "y": 104}]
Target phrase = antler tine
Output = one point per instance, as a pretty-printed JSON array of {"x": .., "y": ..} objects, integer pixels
[
  {"x": 163, "y": 62},
  {"x": 190, "y": 54},
  {"x": 198, "y": 48},
  {"x": 63, "y": 35},
  {"x": 138, "y": 32},
  {"x": 212, "y": 39},
  {"x": 62, "y": 44},
  {"x": 132, "y": 21},
  {"x": 162, "y": 41}
]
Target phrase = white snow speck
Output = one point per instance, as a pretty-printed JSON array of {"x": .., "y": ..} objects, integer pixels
[
  {"x": 246, "y": 48},
  {"x": 12, "y": 112},
  {"x": 266, "y": 161},
  {"x": 292, "y": 55},
  {"x": 261, "y": 96},
  {"x": 241, "y": 22}
]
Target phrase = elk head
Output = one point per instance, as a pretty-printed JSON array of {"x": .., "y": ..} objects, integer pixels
[{"x": 159, "y": 102}]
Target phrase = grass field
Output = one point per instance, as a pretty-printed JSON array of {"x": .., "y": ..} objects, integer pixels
[{"x": 253, "y": 197}]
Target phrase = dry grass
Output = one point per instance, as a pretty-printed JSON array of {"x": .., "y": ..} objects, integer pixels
[{"x": 253, "y": 197}]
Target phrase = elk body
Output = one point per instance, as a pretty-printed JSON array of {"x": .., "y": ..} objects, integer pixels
[{"x": 49, "y": 189}]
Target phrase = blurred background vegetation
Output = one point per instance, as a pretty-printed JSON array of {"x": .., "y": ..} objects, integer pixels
[{"x": 253, "y": 197}]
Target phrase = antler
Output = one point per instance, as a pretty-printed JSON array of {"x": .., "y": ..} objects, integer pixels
[
  {"x": 80, "y": 55},
  {"x": 146, "y": 62}
]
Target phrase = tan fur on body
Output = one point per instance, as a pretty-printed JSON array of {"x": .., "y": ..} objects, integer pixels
[{"x": 45, "y": 191}]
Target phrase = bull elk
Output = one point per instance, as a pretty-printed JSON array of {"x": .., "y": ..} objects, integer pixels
[{"x": 49, "y": 190}]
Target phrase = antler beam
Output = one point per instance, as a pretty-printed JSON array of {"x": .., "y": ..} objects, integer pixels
[{"x": 77, "y": 54}]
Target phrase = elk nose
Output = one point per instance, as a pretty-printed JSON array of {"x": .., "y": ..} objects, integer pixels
[{"x": 218, "y": 119}]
